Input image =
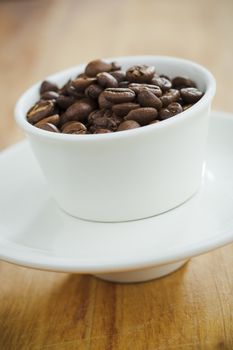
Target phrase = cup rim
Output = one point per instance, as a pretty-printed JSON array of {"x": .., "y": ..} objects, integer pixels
[{"x": 22, "y": 122}]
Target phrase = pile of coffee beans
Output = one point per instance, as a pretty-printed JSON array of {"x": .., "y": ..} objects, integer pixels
[{"x": 105, "y": 98}]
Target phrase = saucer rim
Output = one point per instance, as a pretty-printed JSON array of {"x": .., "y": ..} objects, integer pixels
[{"x": 36, "y": 260}]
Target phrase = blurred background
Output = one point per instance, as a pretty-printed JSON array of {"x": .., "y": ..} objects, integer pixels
[{"x": 40, "y": 37}]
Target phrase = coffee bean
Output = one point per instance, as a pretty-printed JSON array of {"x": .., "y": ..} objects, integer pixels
[
  {"x": 63, "y": 89},
  {"x": 169, "y": 96},
  {"x": 119, "y": 95},
  {"x": 102, "y": 121},
  {"x": 48, "y": 127},
  {"x": 127, "y": 125},
  {"x": 79, "y": 110},
  {"x": 65, "y": 101},
  {"x": 81, "y": 75},
  {"x": 140, "y": 74},
  {"x": 97, "y": 66},
  {"x": 49, "y": 95},
  {"x": 123, "y": 84},
  {"x": 146, "y": 98},
  {"x": 175, "y": 108},
  {"x": 164, "y": 83},
  {"x": 80, "y": 84},
  {"x": 187, "y": 107},
  {"x": 115, "y": 66},
  {"x": 103, "y": 102},
  {"x": 96, "y": 114},
  {"x": 102, "y": 131},
  {"x": 40, "y": 110},
  {"x": 191, "y": 95},
  {"x": 162, "y": 76},
  {"x": 104, "y": 98},
  {"x": 119, "y": 75},
  {"x": 142, "y": 115},
  {"x": 153, "y": 88},
  {"x": 171, "y": 110},
  {"x": 154, "y": 121},
  {"x": 122, "y": 109},
  {"x": 164, "y": 113},
  {"x": 72, "y": 91},
  {"x": 64, "y": 125},
  {"x": 106, "y": 80},
  {"x": 48, "y": 86},
  {"x": 182, "y": 82},
  {"x": 52, "y": 119},
  {"x": 74, "y": 128},
  {"x": 93, "y": 91},
  {"x": 116, "y": 119}
]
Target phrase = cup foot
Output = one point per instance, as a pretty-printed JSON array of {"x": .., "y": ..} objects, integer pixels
[{"x": 141, "y": 275}]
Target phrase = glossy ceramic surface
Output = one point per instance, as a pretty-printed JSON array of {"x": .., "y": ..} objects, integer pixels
[
  {"x": 125, "y": 175},
  {"x": 35, "y": 233}
]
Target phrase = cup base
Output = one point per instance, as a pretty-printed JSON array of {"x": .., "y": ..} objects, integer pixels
[{"x": 142, "y": 275}]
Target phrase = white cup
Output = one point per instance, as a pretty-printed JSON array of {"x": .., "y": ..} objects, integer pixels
[{"x": 131, "y": 174}]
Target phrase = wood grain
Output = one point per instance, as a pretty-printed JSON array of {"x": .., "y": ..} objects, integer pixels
[{"x": 191, "y": 309}]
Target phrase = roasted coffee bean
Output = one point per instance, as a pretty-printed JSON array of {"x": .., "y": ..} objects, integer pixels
[
  {"x": 108, "y": 113},
  {"x": 52, "y": 119},
  {"x": 182, "y": 82},
  {"x": 191, "y": 95},
  {"x": 140, "y": 74},
  {"x": 65, "y": 102},
  {"x": 48, "y": 86},
  {"x": 102, "y": 131},
  {"x": 180, "y": 101},
  {"x": 40, "y": 110},
  {"x": 104, "y": 99},
  {"x": 116, "y": 119},
  {"x": 72, "y": 91},
  {"x": 171, "y": 110},
  {"x": 119, "y": 75},
  {"x": 119, "y": 95},
  {"x": 146, "y": 98},
  {"x": 162, "y": 76},
  {"x": 64, "y": 125},
  {"x": 106, "y": 80},
  {"x": 80, "y": 110},
  {"x": 142, "y": 115},
  {"x": 93, "y": 91},
  {"x": 49, "y": 95},
  {"x": 170, "y": 96},
  {"x": 127, "y": 125},
  {"x": 81, "y": 75},
  {"x": 103, "y": 102},
  {"x": 63, "y": 89},
  {"x": 102, "y": 122},
  {"x": 164, "y": 113},
  {"x": 123, "y": 84},
  {"x": 48, "y": 127},
  {"x": 187, "y": 107},
  {"x": 74, "y": 128},
  {"x": 115, "y": 66},
  {"x": 80, "y": 84},
  {"x": 96, "y": 114},
  {"x": 122, "y": 109},
  {"x": 97, "y": 66},
  {"x": 153, "y": 88},
  {"x": 175, "y": 108},
  {"x": 164, "y": 83},
  {"x": 154, "y": 122}
]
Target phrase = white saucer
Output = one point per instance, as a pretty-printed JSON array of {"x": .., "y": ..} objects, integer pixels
[{"x": 35, "y": 233}]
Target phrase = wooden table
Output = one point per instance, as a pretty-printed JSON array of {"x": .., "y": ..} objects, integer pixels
[{"x": 188, "y": 310}]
